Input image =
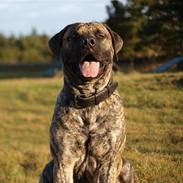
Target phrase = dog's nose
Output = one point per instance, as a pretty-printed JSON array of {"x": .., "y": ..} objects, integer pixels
[{"x": 89, "y": 41}]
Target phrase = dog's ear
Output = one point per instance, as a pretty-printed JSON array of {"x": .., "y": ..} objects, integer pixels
[
  {"x": 116, "y": 41},
  {"x": 55, "y": 43}
]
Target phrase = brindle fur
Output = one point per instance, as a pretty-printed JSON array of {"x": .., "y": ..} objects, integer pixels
[{"x": 87, "y": 144}]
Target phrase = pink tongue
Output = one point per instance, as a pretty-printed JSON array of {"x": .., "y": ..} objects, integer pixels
[{"x": 89, "y": 69}]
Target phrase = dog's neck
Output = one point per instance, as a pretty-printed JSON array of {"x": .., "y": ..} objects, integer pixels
[{"x": 87, "y": 87}]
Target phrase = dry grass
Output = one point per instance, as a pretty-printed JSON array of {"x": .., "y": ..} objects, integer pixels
[{"x": 153, "y": 105}]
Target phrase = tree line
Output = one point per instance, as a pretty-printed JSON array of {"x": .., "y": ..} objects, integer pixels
[
  {"x": 150, "y": 29},
  {"x": 31, "y": 48}
]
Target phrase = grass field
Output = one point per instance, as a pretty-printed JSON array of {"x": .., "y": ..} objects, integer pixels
[{"x": 154, "y": 111}]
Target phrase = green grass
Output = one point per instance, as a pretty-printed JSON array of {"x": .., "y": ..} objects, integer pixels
[{"x": 154, "y": 112}]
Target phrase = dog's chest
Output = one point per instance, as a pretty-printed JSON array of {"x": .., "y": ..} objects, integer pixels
[
  {"x": 95, "y": 117},
  {"x": 95, "y": 131}
]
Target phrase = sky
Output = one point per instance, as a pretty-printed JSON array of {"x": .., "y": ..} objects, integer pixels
[{"x": 48, "y": 16}]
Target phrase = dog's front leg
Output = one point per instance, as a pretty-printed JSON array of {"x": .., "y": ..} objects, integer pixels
[
  {"x": 62, "y": 173},
  {"x": 67, "y": 147},
  {"x": 64, "y": 162},
  {"x": 107, "y": 173}
]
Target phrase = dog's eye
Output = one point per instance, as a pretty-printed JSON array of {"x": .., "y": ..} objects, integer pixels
[
  {"x": 73, "y": 36},
  {"x": 69, "y": 38},
  {"x": 100, "y": 35}
]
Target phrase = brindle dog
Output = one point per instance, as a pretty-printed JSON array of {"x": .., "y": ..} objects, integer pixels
[{"x": 87, "y": 138}]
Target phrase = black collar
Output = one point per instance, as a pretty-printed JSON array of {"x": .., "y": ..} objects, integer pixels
[{"x": 81, "y": 101}]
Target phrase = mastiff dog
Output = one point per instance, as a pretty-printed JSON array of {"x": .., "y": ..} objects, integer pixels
[{"x": 88, "y": 129}]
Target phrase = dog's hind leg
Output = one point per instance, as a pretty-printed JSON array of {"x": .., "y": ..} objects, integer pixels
[
  {"x": 47, "y": 174},
  {"x": 127, "y": 174}
]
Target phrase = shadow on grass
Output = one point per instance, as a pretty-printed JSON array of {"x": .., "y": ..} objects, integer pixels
[
  {"x": 29, "y": 70},
  {"x": 29, "y": 74},
  {"x": 20, "y": 74}
]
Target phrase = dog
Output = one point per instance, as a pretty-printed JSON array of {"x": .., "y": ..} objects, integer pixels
[{"x": 88, "y": 130}]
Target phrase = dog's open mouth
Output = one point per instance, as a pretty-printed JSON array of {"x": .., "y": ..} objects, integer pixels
[{"x": 89, "y": 67}]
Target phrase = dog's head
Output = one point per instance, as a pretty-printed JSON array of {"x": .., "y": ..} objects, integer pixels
[{"x": 87, "y": 49}]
